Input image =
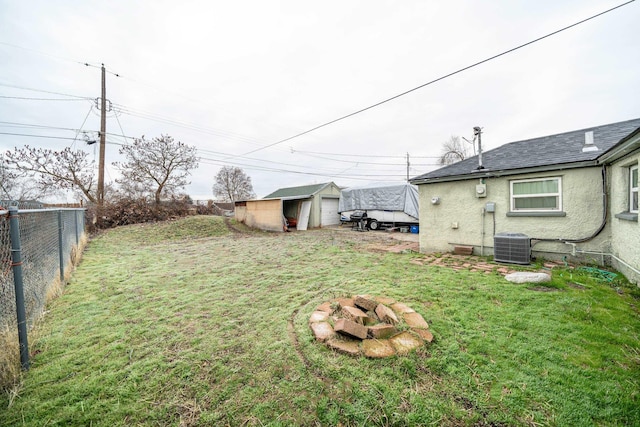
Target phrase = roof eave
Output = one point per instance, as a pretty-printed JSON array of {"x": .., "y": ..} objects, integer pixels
[
  {"x": 302, "y": 196},
  {"x": 491, "y": 173},
  {"x": 627, "y": 145}
]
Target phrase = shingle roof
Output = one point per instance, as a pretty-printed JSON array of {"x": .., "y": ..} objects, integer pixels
[
  {"x": 547, "y": 151},
  {"x": 305, "y": 190}
]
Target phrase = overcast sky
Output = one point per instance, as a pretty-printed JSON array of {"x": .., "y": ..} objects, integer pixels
[{"x": 231, "y": 77}]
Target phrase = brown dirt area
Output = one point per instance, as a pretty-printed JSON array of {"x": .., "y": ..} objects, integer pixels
[
  {"x": 397, "y": 242},
  {"x": 383, "y": 240}
]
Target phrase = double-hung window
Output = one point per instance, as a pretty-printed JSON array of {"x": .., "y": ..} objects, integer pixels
[
  {"x": 633, "y": 189},
  {"x": 537, "y": 195}
]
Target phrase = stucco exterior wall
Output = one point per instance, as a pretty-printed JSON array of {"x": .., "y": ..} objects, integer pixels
[
  {"x": 264, "y": 214},
  {"x": 459, "y": 217},
  {"x": 625, "y": 233}
]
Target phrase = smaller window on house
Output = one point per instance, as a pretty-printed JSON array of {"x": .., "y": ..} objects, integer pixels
[
  {"x": 633, "y": 189},
  {"x": 536, "y": 195}
]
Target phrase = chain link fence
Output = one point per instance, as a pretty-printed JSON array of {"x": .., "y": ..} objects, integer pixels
[{"x": 50, "y": 239}]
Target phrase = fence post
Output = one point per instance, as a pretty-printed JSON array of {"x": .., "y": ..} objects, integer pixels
[
  {"x": 16, "y": 264},
  {"x": 60, "y": 251},
  {"x": 75, "y": 218}
]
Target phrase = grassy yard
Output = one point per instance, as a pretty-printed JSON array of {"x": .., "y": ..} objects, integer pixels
[{"x": 187, "y": 323}]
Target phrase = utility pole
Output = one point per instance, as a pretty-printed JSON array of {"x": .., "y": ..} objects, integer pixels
[{"x": 103, "y": 131}]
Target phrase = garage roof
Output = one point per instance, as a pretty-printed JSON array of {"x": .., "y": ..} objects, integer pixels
[{"x": 301, "y": 192}]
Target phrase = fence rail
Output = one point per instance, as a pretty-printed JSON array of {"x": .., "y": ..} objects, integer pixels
[{"x": 48, "y": 240}]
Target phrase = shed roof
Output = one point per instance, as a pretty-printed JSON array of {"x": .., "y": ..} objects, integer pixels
[
  {"x": 558, "y": 151},
  {"x": 297, "y": 192}
]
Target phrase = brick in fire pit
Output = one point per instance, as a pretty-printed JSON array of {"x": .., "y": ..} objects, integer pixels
[
  {"x": 365, "y": 302},
  {"x": 348, "y": 327},
  {"x": 381, "y": 331},
  {"x": 415, "y": 320},
  {"x": 386, "y": 314},
  {"x": 354, "y": 314}
]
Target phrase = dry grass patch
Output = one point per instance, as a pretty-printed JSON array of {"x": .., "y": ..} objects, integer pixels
[{"x": 9, "y": 360}]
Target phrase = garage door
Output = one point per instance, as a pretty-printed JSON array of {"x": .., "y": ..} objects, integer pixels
[{"x": 329, "y": 209}]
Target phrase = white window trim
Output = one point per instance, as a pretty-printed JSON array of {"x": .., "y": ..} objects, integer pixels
[
  {"x": 558, "y": 194},
  {"x": 632, "y": 189}
]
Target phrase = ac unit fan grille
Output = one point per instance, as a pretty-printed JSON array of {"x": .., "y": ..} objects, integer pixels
[{"x": 512, "y": 248}]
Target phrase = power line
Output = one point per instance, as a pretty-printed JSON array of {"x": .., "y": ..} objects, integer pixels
[
  {"x": 225, "y": 155},
  {"x": 120, "y": 108},
  {"x": 121, "y": 130},
  {"x": 377, "y": 104},
  {"x": 323, "y": 171},
  {"x": 365, "y": 177},
  {"x": 24, "y": 98},
  {"x": 358, "y": 161},
  {"x": 376, "y": 174},
  {"x": 226, "y": 134},
  {"x": 81, "y": 126},
  {"x": 41, "y": 53},
  {"x": 46, "y": 91},
  {"x": 36, "y": 136},
  {"x": 35, "y": 126},
  {"x": 169, "y": 120},
  {"x": 28, "y": 125},
  {"x": 361, "y": 155}
]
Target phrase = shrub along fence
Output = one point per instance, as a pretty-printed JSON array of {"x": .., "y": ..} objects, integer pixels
[{"x": 37, "y": 248}]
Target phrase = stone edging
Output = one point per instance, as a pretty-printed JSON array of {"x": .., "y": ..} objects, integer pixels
[{"x": 375, "y": 327}]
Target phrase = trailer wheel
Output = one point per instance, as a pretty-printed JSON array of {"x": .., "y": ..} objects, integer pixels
[{"x": 373, "y": 225}]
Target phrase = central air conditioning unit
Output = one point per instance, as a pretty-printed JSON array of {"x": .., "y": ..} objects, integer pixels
[{"x": 512, "y": 248}]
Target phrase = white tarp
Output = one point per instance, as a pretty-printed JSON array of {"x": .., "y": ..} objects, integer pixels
[{"x": 389, "y": 197}]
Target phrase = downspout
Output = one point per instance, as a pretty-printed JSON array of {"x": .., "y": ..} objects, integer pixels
[
  {"x": 600, "y": 228},
  {"x": 573, "y": 242}
]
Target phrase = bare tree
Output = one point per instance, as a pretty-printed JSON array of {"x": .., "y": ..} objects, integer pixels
[
  {"x": 158, "y": 167},
  {"x": 54, "y": 170},
  {"x": 7, "y": 182},
  {"x": 231, "y": 184},
  {"x": 14, "y": 185},
  {"x": 453, "y": 150}
]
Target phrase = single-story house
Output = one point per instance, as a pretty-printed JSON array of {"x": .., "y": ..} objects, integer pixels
[
  {"x": 307, "y": 206},
  {"x": 571, "y": 196}
]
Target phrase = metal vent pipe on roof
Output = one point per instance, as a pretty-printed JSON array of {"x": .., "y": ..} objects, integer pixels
[
  {"x": 589, "y": 142},
  {"x": 477, "y": 131}
]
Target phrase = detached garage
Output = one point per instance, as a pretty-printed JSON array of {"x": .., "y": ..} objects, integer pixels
[{"x": 308, "y": 206}]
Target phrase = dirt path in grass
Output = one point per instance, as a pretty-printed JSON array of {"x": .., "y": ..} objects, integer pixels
[{"x": 381, "y": 240}]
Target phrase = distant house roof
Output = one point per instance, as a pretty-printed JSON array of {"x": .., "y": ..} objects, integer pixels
[
  {"x": 22, "y": 204},
  {"x": 297, "y": 192},
  {"x": 564, "y": 150}
]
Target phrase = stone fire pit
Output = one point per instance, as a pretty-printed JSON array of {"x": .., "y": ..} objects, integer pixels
[{"x": 371, "y": 326}]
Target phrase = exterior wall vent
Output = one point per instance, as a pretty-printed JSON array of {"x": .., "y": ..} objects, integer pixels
[{"x": 512, "y": 248}]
